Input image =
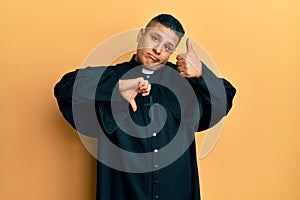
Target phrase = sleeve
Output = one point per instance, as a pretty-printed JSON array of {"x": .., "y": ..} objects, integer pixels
[
  {"x": 88, "y": 84},
  {"x": 82, "y": 89},
  {"x": 215, "y": 96}
]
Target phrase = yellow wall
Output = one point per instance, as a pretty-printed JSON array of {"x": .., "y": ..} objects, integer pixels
[{"x": 255, "y": 45}]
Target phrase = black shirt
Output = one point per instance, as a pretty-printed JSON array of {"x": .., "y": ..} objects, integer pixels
[{"x": 163, "y": 173}]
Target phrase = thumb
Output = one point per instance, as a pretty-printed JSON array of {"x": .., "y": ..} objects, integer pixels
[
  {"x": 189, "y": 46},
  {"x": 133, "y": 105},
  {"x": 132, "y": 101}
]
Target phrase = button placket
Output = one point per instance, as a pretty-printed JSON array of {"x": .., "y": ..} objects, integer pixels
[
  {"x": 155, "y": 152},
  {"x": 155, "y": 172}
]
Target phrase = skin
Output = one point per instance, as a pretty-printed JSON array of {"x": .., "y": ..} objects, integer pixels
[{"x": 155, "y": 46}]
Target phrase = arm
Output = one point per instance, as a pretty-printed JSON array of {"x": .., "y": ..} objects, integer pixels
[
  {"x": 214, "y": 94},
  {"x": 85, "y": 85},
  {"x": 81, "y": 88}
]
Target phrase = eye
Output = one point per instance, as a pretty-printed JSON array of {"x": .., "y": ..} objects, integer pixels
[
  {"x": 168, "y": 48},
  {"x": 154, "y": 38}
]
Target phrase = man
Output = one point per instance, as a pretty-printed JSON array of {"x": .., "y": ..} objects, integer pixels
[{"x": 165, "y": 111}]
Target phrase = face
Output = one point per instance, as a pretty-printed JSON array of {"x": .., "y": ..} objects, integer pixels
[{"x": 155, "y": 45}]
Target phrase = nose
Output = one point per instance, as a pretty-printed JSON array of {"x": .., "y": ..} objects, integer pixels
[{"x": 158, "y": 48}]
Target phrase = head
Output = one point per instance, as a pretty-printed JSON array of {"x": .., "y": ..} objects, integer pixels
[{"x": 158, "y": 41}]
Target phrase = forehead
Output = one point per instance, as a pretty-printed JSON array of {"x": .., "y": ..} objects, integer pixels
[{"x": 165, "y": 32}]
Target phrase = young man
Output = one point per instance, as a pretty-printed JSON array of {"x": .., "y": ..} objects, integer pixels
[{"x": 166, "y": 108}]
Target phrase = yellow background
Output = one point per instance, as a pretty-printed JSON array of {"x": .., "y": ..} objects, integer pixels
[{"x": 255, "y": 44}]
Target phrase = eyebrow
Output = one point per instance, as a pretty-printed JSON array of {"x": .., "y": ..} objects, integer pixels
[
  {"x": 169, "y": 43},
  {"x": 157, "y": 34}
]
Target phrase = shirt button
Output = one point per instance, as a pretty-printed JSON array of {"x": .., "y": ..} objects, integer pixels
[
  {"x": 156, "y": 181},
  {"x": 155, "y": 151},
  {"x": 156, "y": 166},
  {"x": 154, "y": 134},
  {"x": 156, "y": 197}
]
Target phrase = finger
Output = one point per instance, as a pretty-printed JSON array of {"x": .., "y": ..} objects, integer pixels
[
  {"x": 144, "y": 86},
  {"x": 143, "y": 83},
  {"x": 180, "y": 69},
  {"x": 145, "y": 94},
  {"x": 182, "y": 74},
  {"x": 179, "y": 57},
  {"x": 148, "y": 88},
  {"x": 185, "y": 73},
  {"x": 140, "y": 82},
  {"x": 133, "y": 105},
  {"x": 147, "y": 91},
  {"x": 189, "y": 46},
  {"x": 180, "y": 63}
]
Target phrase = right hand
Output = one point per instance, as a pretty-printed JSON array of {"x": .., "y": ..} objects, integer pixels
[{"x": 130, "y": 88}]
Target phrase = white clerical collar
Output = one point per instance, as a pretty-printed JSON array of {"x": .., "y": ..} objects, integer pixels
[{"x": 147, "y": 71}]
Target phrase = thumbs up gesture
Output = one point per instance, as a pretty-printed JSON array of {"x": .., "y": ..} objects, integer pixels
[{"x": 188, "y": 63}]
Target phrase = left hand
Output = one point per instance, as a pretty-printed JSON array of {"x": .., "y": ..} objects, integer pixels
[{"x": 189, "y": 65}]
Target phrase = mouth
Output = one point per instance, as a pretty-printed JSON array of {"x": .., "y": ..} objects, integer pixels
[{"x": 153, "y": 58}]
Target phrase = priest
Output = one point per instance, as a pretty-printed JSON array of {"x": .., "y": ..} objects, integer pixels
[{"x": 145, "y": 113}]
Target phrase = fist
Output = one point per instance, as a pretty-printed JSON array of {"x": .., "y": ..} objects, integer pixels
[
  {"x": 188, "y": 63},
  {"x": 130, "y": 88}
]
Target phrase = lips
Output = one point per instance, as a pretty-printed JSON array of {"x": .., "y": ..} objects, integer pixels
[{"x": 152, "y": 57}]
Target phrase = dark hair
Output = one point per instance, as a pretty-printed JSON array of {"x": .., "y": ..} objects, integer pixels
[{"x": 170, "y": 22}]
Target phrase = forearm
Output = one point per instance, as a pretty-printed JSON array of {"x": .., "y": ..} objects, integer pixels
[
  {"x": 214, "y": 95},
  {"x": 86, "y": 85},
  {"x": 77, "y": 93}
]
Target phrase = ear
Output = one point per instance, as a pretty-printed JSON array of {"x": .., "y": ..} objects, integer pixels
[{"x": 140, "y": 34}]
